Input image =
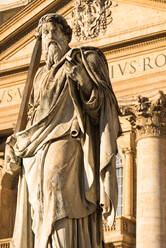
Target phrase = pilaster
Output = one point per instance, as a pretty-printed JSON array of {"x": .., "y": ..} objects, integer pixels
[{"x": 128, "y": 183}]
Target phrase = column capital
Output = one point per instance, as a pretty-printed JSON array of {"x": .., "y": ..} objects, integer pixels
[{"x": 147, "y": 115}]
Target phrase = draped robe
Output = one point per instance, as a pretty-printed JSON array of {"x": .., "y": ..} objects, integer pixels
[{"x": 68, "y": 150}]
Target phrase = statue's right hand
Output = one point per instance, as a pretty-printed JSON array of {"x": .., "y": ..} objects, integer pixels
[{"x": 12, "y": 162}]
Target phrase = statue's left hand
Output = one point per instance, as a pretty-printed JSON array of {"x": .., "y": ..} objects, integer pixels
[{"x": 75, "y": 70}]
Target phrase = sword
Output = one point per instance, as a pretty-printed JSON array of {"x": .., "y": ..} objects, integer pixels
[
  {"x": 34, "y": 64},
  {"x": 12, "y": 163}
]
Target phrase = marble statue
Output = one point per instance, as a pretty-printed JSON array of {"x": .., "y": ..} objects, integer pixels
[{"x": 66, "y": 154}]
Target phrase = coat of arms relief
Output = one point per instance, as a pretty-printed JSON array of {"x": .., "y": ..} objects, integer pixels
[{"x": 90, "y": 17}]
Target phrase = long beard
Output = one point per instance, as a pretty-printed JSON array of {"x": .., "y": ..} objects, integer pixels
[{"x": 53, "y": 55}]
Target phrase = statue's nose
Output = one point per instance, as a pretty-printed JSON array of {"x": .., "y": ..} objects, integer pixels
[{"x": 50, "y": 35}]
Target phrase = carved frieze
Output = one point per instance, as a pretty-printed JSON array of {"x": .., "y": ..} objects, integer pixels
[
  {"x": 147, "y": 115},
  {"x": 90, "y": 17},
  {"x": 160, "y": 1}
]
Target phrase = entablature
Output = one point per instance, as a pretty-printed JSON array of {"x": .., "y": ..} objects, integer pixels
[{"x": 141, "y": 22}]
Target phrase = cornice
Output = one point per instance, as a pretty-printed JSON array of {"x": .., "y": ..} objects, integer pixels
[
  {"x": 17, "y": 46},
  {"x": 154, "y": 4},
  {"x": 13, "y": 4},
  {"x": 28, "y": 16},
  {"x": 135, "y": 47}
]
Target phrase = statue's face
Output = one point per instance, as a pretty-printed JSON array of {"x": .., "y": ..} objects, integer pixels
[{"x": 54, "y": 43}]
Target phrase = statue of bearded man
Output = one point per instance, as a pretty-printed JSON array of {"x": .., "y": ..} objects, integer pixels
[{"x": 68, "y": 175}]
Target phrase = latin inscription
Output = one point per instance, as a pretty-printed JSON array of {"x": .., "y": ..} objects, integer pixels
[
  {"x": 11, "y": 95},
  {"x": 138, "y": 66},
  {"x": 121, "y": 70}
]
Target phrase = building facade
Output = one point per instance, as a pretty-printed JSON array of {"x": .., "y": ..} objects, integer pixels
[{"x": 132, "y": 35}]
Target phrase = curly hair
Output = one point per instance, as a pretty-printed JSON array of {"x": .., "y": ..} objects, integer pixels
[{"x": 56, "y": 19}]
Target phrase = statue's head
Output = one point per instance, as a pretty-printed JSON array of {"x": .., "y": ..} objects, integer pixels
[{"x": 56, "y": 35}]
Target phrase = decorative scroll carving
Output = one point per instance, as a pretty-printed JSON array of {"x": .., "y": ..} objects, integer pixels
[
  {"x": 90, "y": 17},
  {"x": 108, "y": 228},
  {"x": 147, "y": 115},
  {"x": 5, "y": 243},
  {"x": 122, "y": 235},
  {"x": 122, "y": 225}
]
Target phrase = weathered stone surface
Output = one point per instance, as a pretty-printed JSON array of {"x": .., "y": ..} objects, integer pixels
[{"x": 68, "y": 146}]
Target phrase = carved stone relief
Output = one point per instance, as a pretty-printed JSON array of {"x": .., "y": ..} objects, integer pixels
[
  {"x": 4, "y": 244},
  {"x": 122, "y": 225},
  {"x": 90, "y": 17}
]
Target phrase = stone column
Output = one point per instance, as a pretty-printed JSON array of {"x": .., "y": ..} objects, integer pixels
[
  {"x": 128, "y": 183},
  {"x": 150, "y": 124}
]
